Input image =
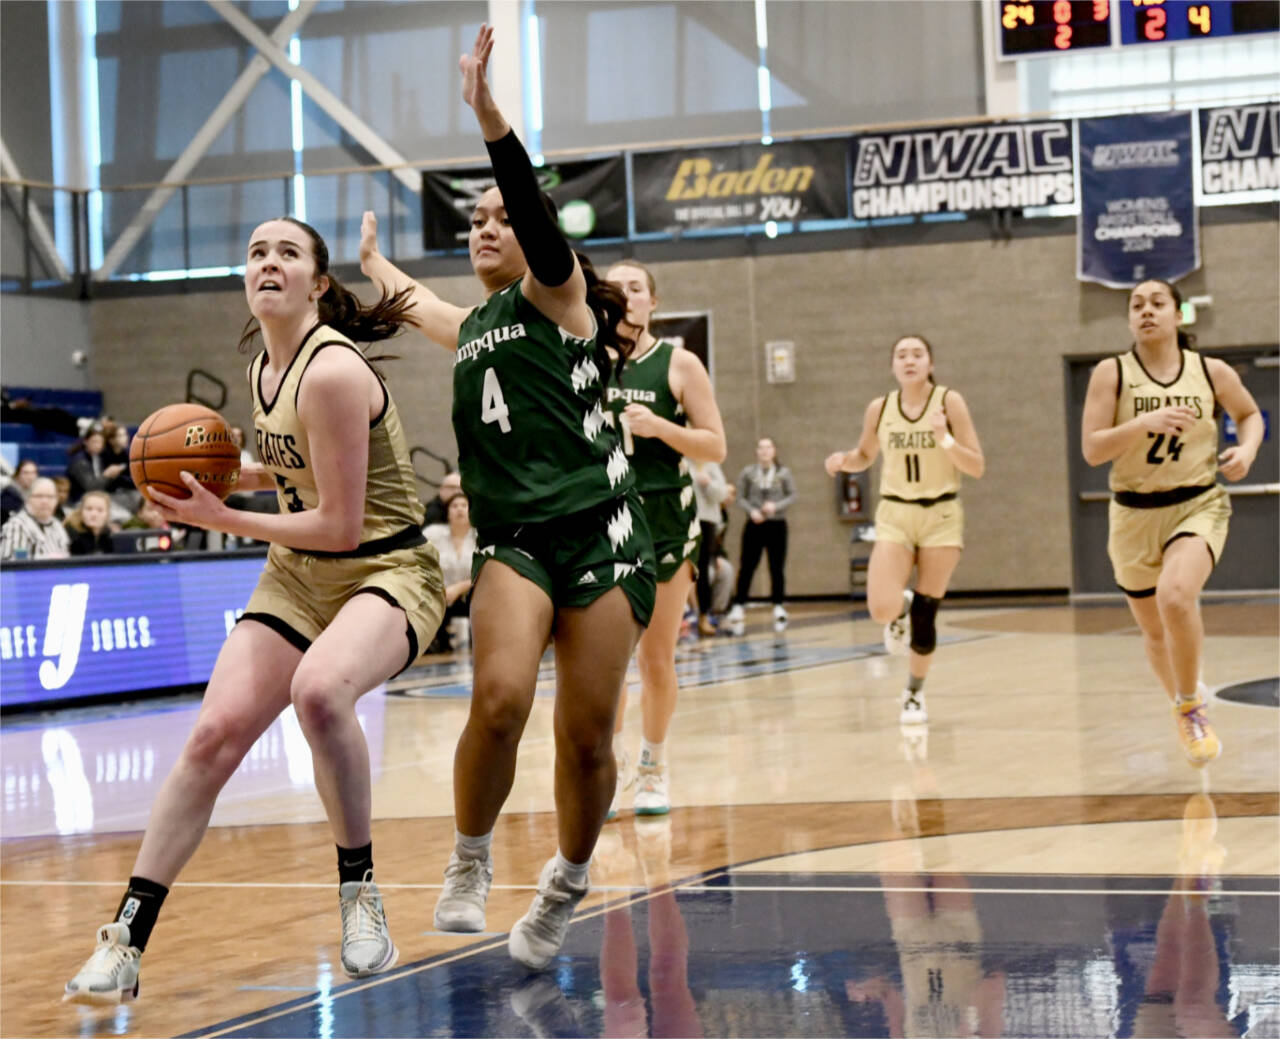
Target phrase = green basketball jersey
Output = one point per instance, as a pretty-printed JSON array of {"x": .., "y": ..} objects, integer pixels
[
  {"x": 646, "y": 380},
  {"x": 533, "y": 441},
  {"x": 1158, "y": 461}
]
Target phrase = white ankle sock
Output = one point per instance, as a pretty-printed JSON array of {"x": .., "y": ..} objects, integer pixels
[
  {"x": 651, "y": 754},
  {"x": 573, "y": 872},
  {"x": 472, "y": 847}
]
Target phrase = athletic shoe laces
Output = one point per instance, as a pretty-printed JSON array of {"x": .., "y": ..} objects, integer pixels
[
  {"x": 362, "y": 916},
  {"x": 548, "y": 919},
  {"x": 1195, "y": 722},
  {"x": 109, "y": 958},
  {"x": 466, "y": 876}
]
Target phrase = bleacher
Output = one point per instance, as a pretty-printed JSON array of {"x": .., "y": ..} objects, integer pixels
[{"x": 48, "y": 450}]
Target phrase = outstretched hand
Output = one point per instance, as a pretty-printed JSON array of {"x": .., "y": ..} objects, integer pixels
[{"x": 474, "y": 66}]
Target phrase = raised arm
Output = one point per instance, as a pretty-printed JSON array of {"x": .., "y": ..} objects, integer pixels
[
  {"x": 861, "y": 456},
  {"x": 1238, "y": 402},
  {"x": 554, "y": 282},
  {"x": 1103, "y": 441},
  {"x": 433, "y": 317}
]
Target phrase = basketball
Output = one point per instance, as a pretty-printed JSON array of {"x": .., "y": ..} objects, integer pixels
[{"x": 184, "y": 436}]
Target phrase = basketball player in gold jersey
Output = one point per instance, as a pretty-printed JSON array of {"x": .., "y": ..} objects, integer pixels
[
  {"x": 927, "y": 437},
  {"x": 1152, "y": 413},
  {"x": 350, "y": 594}
]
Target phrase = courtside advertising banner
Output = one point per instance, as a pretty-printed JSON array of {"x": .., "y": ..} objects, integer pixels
[
  {"x": 1240, "y": 150},
  {"x": 590, "y": 194},
  {"x": 1137, "y": 210},
  {"x": 739, "y": 185},
  {"x": 962, "y": 169}
]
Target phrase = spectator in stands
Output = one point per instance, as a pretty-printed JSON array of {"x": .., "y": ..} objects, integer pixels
[
  {"x": 89, "y": 526},
  {"x": 35, "y": 532},
  {"x": 246, "y": 456},
  {"x": 63, "y": 484},
  {"x": 437, "y": 510},
  {"x": 125, "y": 496},
  {"x": 149, "y": 517},
  {"x": 14, "y": 496},
  {"x": 90, "y": 469},
  {"x": 455, "y": 542},
  {"x": 53, "y": 420}
]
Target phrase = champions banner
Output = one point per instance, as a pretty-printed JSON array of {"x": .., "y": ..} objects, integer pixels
[
  {"x": 1137, "y": 211},
  {"x": 961, "y": 169},
  {"x": 738, "y": 185},
  {"x": 1240, "y": 150},
  {"x": 590, "y": 194}
]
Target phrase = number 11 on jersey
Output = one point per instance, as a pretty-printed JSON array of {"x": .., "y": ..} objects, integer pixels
[{"x": 492, "y": 407}]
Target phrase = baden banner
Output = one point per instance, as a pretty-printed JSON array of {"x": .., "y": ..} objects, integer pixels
[
  {"x": 591, "y": 195},
  {"x": 1137, "y": 211},
  {"x": 959, "y": 169},
  {"x": 1240, "y": 150},
  {"x": 739, "y": 185}
]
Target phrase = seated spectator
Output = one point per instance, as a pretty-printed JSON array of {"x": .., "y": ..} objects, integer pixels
[
  {"x": 14, "y": 496},
  {"x": 246, "y": 456},
  {"x": 89, "y": 526},
  {"x": 149, "y": 517},
  {"x": 90, "y": 469},
  {"x": 64, "y": 497},
  {"x": 53, "y": 420},
  {"x": 455, "y": 541},
  {"x": 125, "y": 496},
  {"x": 35, "y": 532},
  {"x": 437, "y": 509}
]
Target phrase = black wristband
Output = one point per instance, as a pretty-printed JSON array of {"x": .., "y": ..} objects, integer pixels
[{"x": 545, "y": 250}]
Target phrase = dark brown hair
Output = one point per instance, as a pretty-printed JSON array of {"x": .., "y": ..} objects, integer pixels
[
  {"x": 341, "y": 309},
  {"x": 609, "y": 304},
  {"x": 1186, "y": 340}
]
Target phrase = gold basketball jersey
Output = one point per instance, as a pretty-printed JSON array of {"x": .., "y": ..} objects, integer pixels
[
  {"x": 1161, "y": 461},
  {"x": 915, "y": 467},
  {"x": 391, "y": 502}
]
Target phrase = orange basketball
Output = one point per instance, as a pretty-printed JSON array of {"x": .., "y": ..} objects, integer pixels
[{"x": 184, "y": 436}]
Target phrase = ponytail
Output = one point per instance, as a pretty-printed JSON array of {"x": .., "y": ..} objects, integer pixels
[{"x": 609, "y": 305}]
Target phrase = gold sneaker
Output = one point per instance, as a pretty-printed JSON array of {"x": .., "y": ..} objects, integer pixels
[{"x": 1199, "y": 742}]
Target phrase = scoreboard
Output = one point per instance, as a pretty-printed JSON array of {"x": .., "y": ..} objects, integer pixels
[
  {"x": 1028, "y": 28},
  {"x": 1161, "y": 21}
]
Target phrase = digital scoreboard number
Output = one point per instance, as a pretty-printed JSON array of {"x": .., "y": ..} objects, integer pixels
[
  {"x": 1170, "y": 21},
  {"x": 1052, "y": 26}
]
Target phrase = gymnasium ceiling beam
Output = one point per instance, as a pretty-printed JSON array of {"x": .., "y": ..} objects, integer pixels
[
  {"x": 199, "y": 144},
  {"x": 39, "y": 228}
]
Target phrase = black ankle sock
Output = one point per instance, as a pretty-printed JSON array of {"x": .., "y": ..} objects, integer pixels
[
  {"x": 353, "y": 863},
  {"x": 140, "y": 907}
]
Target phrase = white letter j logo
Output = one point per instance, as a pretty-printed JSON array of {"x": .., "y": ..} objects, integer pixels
[{"x": 62, "y": 633}]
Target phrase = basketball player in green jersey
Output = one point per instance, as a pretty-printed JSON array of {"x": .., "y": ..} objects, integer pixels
[
  {"x": 665, "y": 407},
  {"x": 927, "y": 437},
  {"x": 350, "y": 595},
  {"x": 1152, "y": 413},
  {"x": 562, "y": 551}
]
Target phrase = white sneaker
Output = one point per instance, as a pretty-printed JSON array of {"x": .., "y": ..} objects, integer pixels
[
  {"x": 736, "y": 620},
  {"x": 537, "y": 936},
  {"x": 626, "y": 780},
  {"x": 897, "y": 633},
  {"x": 779, "y": 618},
  {"x": 110, "y": 975},
  {"x": 460, "y": 906},
  {"x": 913, "y": 710},
  {"x": 367, "y": 947},
  {"x": 652, "y": 797}
]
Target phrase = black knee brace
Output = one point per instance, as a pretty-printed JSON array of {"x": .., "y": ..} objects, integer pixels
[{"x": 924, "y": 631}]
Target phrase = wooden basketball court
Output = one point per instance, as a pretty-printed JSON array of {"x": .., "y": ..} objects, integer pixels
[{"x": 1042, "y": 862}]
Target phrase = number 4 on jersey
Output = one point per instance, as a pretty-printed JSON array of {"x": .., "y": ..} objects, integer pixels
[{"x": 492, "y": 407}]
